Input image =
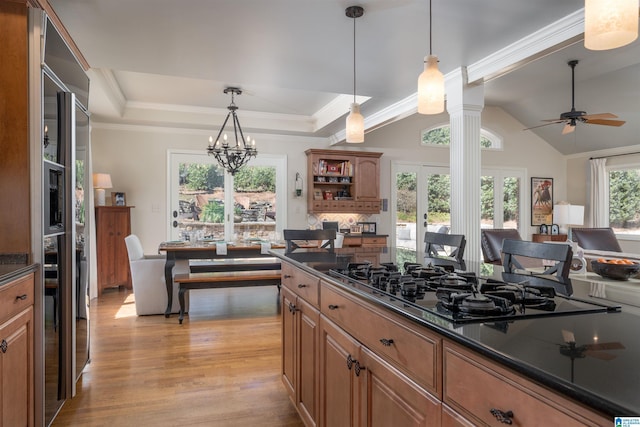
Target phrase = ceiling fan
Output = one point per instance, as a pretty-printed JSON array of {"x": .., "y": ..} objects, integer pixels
[
  {"x": 571, "y": 118},
  {"x": 574, "y": 351}
]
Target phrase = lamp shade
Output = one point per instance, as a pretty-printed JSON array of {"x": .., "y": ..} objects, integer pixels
[
  {"x": 431, "y": 87},
  {"x": 355, "y": 125},
  {"x": 609, "y": 24},
  {"x": 566, "y": 214},
  {"x": 102, "y": 180}
]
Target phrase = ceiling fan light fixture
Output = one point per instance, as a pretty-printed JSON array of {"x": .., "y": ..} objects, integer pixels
[
  {"x": 610, "y": 24},
  {"x": 355, "y": 121},
  {"x": 355, "y": 125},
  {"x": 431, "y": 87}
]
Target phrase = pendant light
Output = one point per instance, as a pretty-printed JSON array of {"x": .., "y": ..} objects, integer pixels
[
  {"x": 355, "y": 121},
  {"x": 430, "y": 82},
  {"x": 609, "y": 24}
]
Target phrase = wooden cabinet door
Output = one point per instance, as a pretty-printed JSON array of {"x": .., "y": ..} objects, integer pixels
[
  {"x": 289, "y": 377},
  {"x": 122, "y": 228},
  {"x": 390, "y": 398},
  {"x": 367, "y": 179},
  {"x": 113, "y": 224},
  {"x": 307, "y": 322},
  {"x": 16, "y": 370},
  {"x": 339, "y": 389}
]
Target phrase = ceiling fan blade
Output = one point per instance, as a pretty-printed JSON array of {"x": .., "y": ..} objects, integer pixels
[
  {"x": 553, "y": 120},
  {"x": 568, "y": 128},
  {"x": 600, "y": 355},
  {"x": 605, "y": 122},
  {"x": 568, "y": 336},
  {"x": 599, "y": 116},
  {"x": 546, "y": 124},
  {"x": 606, "y": 346}
]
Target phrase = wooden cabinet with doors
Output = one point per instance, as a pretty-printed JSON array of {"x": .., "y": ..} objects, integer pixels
[
  {"x": 113, "y": 224},
  {"x": 343, "y": 181},
  {"x": 468, "y": 376},
  {"x": 300, "y": 335},
  {"x": 358, "y": 387},
  {"x": 16, "y": 352}
]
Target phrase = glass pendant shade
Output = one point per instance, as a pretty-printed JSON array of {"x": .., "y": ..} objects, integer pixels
[
  {"x": 355, "y": 125},
  {"x": 431, "y": 87},
  {"x": 610, "y": 23}
]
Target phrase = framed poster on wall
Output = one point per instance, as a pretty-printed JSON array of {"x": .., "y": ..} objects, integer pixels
[{"x": 541, "y": 201}]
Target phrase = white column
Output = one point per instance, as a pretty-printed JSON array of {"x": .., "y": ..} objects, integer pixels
[{"x": 465, "y": 104}]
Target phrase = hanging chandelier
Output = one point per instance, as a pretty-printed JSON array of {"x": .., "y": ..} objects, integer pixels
[
  {"x": 430, "y": 82},
  {"x": 232, "y": 158},
  {"x": 355, "y": 120}
]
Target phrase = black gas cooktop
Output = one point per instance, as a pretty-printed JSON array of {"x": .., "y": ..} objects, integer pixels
[{"x": 460, "y": 297}]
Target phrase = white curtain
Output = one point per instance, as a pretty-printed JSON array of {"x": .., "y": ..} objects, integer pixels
[{"x": 599, "y": 212}]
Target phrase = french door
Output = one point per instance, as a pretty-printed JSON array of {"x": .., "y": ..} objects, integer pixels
[
  {"x": 207, "y": 202},
  {"x": 421, "y": 200},
  {"x": 501, "y": 199}
]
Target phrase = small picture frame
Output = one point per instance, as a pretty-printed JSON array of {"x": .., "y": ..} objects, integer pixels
[
  {"x": 544, "y": 229},
  {"x": 555, "y": 229},
  {"x": 355, "y": 229},
  {"x": 317, "y": 194},
  {"x": 118, "y": 199},
  {"x": 368, "y": 227}
]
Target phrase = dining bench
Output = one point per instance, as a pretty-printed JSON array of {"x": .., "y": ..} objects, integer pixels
[{"x": 223, "y": 279}]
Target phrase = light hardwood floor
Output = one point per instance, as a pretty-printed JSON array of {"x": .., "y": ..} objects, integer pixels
[{"x": 220, "y": 368}]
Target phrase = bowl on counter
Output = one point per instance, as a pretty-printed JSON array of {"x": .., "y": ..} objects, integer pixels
[{"x": 615, "y": 271}]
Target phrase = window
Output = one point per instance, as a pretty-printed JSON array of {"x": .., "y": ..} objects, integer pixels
[
  {"x": 440, "y": 135},
  {"x": 624, "y": 200}
]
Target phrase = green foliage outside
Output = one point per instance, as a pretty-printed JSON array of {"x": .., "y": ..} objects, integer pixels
[
  {"x": 255, "y": 179},
  {"x": 440, "y": 198},
  {"x": 213, "y": 212},
  {"x": 441, "y": 136},
  {"x": 201, "y": 177},
  {"x": 624, "y": 198}
]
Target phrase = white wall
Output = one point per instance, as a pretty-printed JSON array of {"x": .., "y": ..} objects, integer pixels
[{"x": 136, "y": 158}]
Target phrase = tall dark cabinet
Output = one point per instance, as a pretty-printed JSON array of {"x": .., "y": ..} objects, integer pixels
[{"x": 66, "y": 186}]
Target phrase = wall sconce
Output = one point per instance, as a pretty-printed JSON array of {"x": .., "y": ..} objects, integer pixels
[
  {"x": 100, "y": 182},
  {"x": 298, "y": 184},
  {"x": 566, "y": 215}
]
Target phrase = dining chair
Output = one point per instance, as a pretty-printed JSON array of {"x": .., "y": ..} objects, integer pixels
[
  {"x": 597, "y": 239},
  {"x": 444, "y": 249},
  {"x": 293, "y": 238}
]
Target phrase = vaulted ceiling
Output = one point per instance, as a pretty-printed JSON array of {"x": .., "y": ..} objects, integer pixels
[{"x": 164, "y": 62}]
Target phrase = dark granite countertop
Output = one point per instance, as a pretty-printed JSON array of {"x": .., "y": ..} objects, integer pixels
[
  {"x": 608, "y": 382},
  {"x": 10, "y": 272}
]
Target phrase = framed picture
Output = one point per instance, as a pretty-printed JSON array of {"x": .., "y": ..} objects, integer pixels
[
  {"x": 541, "y": 201},
  {"x": 317, "y": 194},
  {"x": 118, "y": 199},
  {"x": 368, "y": 227}
]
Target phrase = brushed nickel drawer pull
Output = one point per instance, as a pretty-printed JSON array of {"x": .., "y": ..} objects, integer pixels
[
  {"x": 386, "y": 342},
  {"x": 22, "y": 297},
  {"x": 333, "y": 307},
  {"x": 302, "y": 285},
  {"x": 503, "y": 417},
  {"x": 287, "y": 276}
]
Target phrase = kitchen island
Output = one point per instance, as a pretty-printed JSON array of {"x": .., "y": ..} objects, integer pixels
[{"x": 417, "y": 368}]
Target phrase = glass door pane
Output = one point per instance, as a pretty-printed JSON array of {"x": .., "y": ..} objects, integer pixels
[
  {"x": 406, "y": 209},
  {"x": 512, "y": 186},
  {"x": 254, "y": 203},
  {"x": 438, "y": 206},
  {"x": 487, "y": 202}
]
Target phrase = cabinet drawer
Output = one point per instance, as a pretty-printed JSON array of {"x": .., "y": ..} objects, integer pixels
[
  {"x": 374, "y": 241},
  {"x": 15, "y": 296},
  {"x": 417, "y": 353},
  {"x": 301, "y": 283},
  {"x": 474, "y": 386}
]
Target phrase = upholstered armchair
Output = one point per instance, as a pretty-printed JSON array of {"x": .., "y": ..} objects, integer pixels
[
  {"x": 147, "y": 277},
  {"x": 491, "y": 243},
  {"x": 599, "y": 239}
]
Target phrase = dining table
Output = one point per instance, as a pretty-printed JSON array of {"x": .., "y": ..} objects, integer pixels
[{"x": 178, "y": 250}]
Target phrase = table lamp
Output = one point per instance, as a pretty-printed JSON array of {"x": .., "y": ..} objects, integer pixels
[
  {"x": 100, "y": 182},
  {"x": 566, "y": 215}
]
